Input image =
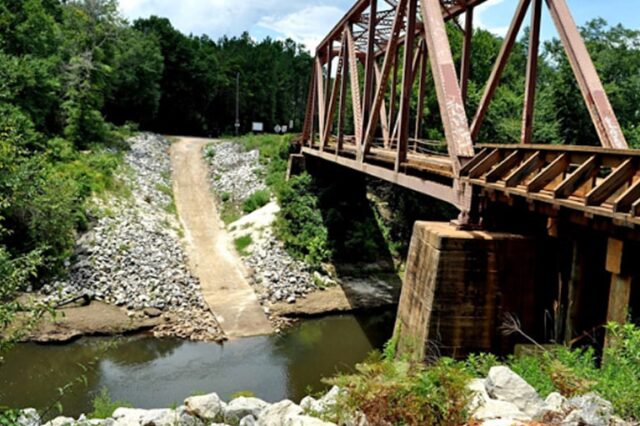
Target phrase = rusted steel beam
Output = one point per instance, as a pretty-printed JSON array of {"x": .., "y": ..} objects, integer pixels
[
  {"x": 454, "y": 117},
  {"x": 309, "y": 110},
  {"x": 533, "y": 163},
  {"x": 331, "y": 107},
  {"x": 329, "y": 61},
  {"x": 394, "y": 87},
  {"x": 598, "y": 104},
  {"x": 421, "y": 90},
  {"x": 407, "y": 83},
  {"x": 532, "y": 73},
  {"x": 355, "y": 85},
  {"x": 384, "y": 123},
  {"x": 465, "y": 65},
  {"x": 320, "y": 95},
  {"x": 383, "y": 80},
  {"x": 498, "y": 68},
  {"x": 369, "y": 72},
  {"x": 343, "y": 94}
]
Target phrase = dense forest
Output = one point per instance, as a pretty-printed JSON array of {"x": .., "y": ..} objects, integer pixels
[{"x": 75, "y": 78}]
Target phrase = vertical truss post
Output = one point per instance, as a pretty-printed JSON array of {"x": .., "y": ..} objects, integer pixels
[
  {"x": 421, "y": 89},
  {"x": 499, "y": 67},
  {"x": 598, "y": 104},
  {"x": 465, "y": 64},
  {"x": 407, "y": 80},
  {"x": 321, "y": 100},
  {"x": 369, "y": 71},
  {"x": 532, "y": 73},
  {"x": 309, "y": 110},
  {"x": 454, "y": 116},
  {"x": 343, "y": 93},
  {"x": 331, "y": 106},
  {"x": 383, "y": 80},
  {"x": 313, "y": 109}
]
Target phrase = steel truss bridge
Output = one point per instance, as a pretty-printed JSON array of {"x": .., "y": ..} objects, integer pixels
[{"x": 370, "y": 63}]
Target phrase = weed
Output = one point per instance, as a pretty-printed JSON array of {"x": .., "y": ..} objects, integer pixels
[
  {"x": 255, "y": 201},
  {"x": 104, "y": 406},
  {"x": 243, "y": 394},
  {"x": 242, "y": 243}
]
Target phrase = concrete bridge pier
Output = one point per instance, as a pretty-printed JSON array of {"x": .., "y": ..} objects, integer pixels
[{"x": 460, "y": 285}]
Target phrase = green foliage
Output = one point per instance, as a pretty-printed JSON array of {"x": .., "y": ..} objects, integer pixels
[
  {"x": 104, "y": 406},
  {"x": 242, "y": 243},
  {"x": 255, "y": 201},
  {"x": 402, "y": 393},
  {"x": 299, "y": 223},
  {"x": 274, "y": 155}
]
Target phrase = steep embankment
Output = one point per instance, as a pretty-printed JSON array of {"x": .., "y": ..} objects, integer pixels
[
  {"x": 223, "y": 283},
  {"x": 132, "y": 260}
]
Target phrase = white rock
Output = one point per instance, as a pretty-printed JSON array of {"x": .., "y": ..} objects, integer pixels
[
  {"x": 279, "y": 413},
  {"x": 480, "y": 395},
  {"x": 248, "y": 421},
  {"x": 589, "y": 409},
  {"x": 552, "y": 411},
  {"x": 61, "y": 421},
  {"x": 206, "y": 407},
  {"x": 505, "y": 385},
  {"x": 29, "y": 417},
  {"x": 494, "y": 409},
  {"x": 306, "y": 421},
  {"x": 242, "y": 407},
  {"x": 503, "y": 422},
  {"x": 159, "y": 417}
]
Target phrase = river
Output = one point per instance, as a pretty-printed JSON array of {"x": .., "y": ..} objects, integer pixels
[{"x": 154, "y": 373}]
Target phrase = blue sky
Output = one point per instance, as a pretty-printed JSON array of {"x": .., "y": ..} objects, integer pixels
[{"x": 307, "y": 21}]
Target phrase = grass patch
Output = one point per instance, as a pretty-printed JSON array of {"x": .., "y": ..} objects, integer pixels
[
  {"x": 243, "y": 243},
  {"x": 274, "y": 156},
  {"x": 256, "y": 200},
  {"x": 170, "y": 207},
  {"x": 230, "y": 212},
  {"x": 243, "y": 394},
  {"x": 104, "y": 406}
]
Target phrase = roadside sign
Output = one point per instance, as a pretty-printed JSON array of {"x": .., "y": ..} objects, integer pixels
[
  {"x": 257, "y": 127},
  {"x": 277, "y": 129}
]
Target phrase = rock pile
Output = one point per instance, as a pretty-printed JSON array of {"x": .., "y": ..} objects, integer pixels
[
  {"x": 234, "y": 171},
  {"x": 207, "y": 410},
  {"x": 132, "y": 257},
  {"x": 504, "y": 398},
  {"x": 277, "y": 277}
]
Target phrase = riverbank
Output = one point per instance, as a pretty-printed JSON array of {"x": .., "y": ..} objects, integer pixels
[{"x": 132, "y": 259}]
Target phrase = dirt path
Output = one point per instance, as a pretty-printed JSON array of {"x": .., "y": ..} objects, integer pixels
[{"x": 211, "y": 257}]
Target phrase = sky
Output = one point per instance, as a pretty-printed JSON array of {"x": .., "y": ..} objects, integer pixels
[{"x": 308, "y": 21}]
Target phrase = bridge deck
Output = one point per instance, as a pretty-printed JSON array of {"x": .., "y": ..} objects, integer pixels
[{"x": 596, "y": 182}]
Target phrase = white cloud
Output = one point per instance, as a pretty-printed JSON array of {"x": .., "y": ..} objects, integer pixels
[
  {"x": 308, "y": 26},
  {"x": 481, "y": 17},
  {"x": 305, "y": 21}
]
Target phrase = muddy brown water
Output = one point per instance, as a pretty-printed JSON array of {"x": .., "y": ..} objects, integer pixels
[{"x": 156, "y": 373}]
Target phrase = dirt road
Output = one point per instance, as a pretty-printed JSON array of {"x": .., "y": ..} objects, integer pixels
[{"x": 211, "y": 257}]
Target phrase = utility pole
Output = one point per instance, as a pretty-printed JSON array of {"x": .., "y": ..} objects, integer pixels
[{"x": 237, "y": 103}]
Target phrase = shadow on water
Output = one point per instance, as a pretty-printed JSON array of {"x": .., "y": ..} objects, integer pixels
[{"x": 151, "y": 373}]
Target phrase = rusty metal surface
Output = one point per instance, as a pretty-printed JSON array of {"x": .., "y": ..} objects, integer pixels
[{"x": 390, "y": 43}]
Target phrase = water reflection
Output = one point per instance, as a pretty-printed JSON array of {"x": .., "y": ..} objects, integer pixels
[{"x": 157, "y": 373}]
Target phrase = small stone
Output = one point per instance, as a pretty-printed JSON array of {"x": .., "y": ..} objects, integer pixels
[{"x": 505, "y": 385}]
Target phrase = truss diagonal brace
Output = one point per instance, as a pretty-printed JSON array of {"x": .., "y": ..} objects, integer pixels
[
  {"x": 454, "y": 116},
  {"x": 598, "y": 104}
]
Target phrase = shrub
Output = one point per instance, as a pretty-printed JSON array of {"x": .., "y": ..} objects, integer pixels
[
  {"x": 225, "y": 196},
  {"x": 399, "y": 392},
  {"x": 256, "y": 200},
  {"x": 299, "y": 223}
]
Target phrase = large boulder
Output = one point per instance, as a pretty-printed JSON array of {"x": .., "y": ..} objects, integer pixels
[
  {"x": 206, "y": 407},
  {"x": 248, "y": 421},
  {"x": 505, "y": 385},
  {"x": 61, "y": 421},
  {"x": 278, "y": 414},
  {"x": 242, "y": 407},
  {"x": 589, "y": 409},
  {"x": 160, "y": 417}
]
